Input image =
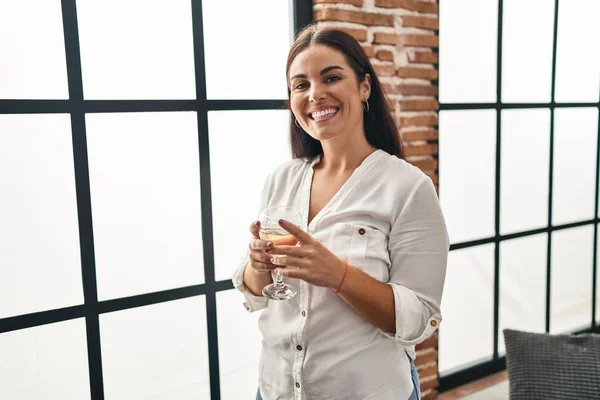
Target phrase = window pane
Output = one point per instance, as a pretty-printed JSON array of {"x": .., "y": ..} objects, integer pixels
[
  {"x": 577, "y": 57},
  {"x": 575, "y": 142},
  {"x": 459, "y": 63},
  {"x": 136, "y": 49},
  {"x": 571, "y": 287},
  {"x": 527, "y": 50},
  {"x": 32, "y": 45},
  {"x": 598, "y": 280},
  {"x": 156, "y": 351},
  {"x": 468, "y": 306},
  {"x": 145, "y": 187},
  {"x": 467, "y": 179},
  {"x": 39, "y": 231},
  {"x": 46, "y": 362},
  {"x": 523, "y": 285},
  {"x": 239, "y": 347},
  {"x": 248, "y": 66},
  {"x": 525, "y": 170},
  {"x": 236, "y": 191}
]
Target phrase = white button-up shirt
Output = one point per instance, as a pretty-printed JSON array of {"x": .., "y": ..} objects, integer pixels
[{"x": 386, "y": 221}]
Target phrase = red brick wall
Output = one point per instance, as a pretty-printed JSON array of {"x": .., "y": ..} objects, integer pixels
[{"x": 400, "y": 37}]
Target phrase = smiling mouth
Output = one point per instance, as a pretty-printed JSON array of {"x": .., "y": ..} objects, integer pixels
[{"x": 323, "y": 115}]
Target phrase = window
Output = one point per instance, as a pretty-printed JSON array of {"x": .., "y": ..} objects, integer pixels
[
  {"x": 519, "y": 170},
  {"x": 124, "y": 209}
]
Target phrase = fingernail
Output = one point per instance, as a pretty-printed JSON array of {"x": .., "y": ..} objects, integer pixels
[
  {"x": 280, "y": 221},
  {"x": 278, "y": 271},
  {"x": 269, "y": 244},
  {"x": 272, "y": 261},
  {"x": 257, "y": 224}
]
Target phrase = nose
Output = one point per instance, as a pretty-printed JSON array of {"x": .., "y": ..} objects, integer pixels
[{"x": 316, "y": 93}]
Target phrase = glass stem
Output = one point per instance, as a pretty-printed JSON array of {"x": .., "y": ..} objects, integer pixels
[{"x": 278, "y": 280}]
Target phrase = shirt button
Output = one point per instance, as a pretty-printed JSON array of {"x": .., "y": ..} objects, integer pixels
[
  {"x": 361, "y": 231},
  {"x": 433, "y": 323},
  {"x": 299, "y": 347},
  {"x": 297, "y": 385},
  {"x": 304, "y": 313}
]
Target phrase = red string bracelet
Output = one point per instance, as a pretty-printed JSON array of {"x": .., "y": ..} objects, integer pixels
[{"x": 343, "y": 277}]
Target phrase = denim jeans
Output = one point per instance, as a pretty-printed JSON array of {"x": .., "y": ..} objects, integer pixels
[
  {"x": 413, "y": 372},
  {"x": 415, "y": 378}
]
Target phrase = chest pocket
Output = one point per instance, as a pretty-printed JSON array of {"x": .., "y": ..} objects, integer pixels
[{"x": 362, "y": 247}]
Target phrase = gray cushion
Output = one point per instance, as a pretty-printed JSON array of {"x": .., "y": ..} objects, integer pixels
[{"x": 543, "y": 366}]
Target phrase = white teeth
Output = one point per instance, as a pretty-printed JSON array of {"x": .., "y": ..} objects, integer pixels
[{"x": 323, "y": 113}]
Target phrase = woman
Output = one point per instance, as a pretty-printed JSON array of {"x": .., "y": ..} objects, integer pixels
[{"x": 371, "y": 263}]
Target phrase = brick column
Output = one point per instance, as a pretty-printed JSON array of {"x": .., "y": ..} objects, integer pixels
[{"x": 400, "y": 37}]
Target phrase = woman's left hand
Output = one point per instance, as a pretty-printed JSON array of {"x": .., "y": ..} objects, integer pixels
[{"x": 311, "y": 261}]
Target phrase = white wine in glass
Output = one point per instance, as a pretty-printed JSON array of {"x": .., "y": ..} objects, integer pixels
[{"x": 271, "y": 230}]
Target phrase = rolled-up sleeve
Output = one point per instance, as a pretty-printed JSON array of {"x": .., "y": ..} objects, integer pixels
[
  {"x": 418, "y": 246},
  {"x": 252, "y": 303}
]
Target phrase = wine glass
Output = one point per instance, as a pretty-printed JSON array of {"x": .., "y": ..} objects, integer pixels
[{"x": 272, "y": 231}]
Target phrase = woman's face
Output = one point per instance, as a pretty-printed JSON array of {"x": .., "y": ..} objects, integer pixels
[{"x": 326, "y": 97}]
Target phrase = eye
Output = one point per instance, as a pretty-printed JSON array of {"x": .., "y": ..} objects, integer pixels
[
  {"x": 332, "y": 79},
  {"x": 300, "y": 86}
]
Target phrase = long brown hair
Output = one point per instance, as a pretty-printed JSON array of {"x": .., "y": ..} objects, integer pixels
[{"x": 379, "y": 125}]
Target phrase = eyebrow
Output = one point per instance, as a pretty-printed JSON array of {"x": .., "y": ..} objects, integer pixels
[{"x": 323, "y": 72}]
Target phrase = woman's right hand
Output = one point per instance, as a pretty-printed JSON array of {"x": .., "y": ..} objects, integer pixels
[{"x": 259, "y": 259}]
